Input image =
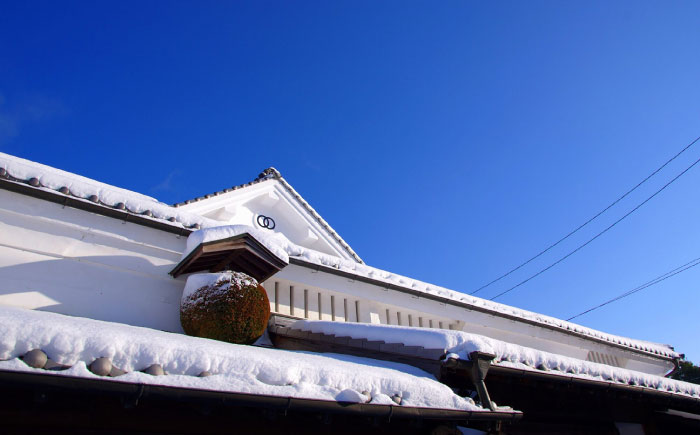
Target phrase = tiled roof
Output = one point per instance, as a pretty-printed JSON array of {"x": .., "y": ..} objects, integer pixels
[
  {"x": 27, "y": 176},
  {"x": 273, "y": 174},
  {"x": 115, "y": 202}
]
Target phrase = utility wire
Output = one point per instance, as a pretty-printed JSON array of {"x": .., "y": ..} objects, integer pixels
[
  {"x": 599, "y": 234},
  {"x": 589, "y": 220},
  {"x": 647, "y": 284}
]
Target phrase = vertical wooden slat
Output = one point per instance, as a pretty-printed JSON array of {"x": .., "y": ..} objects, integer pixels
[
  {"x": 410, "y": 320},
  {"x": 320, "y": 308},
  {"x": 306, "y": 304},
  {"x": 277, "y": 297},
  {"x": 333, "y": 308},
  {"x": 430, "y": 322},
  {"x": 291, "y": 300},
  {"x": 420, "y": 322},
  {"x": 440, "y": 323},
  {"x": 388, "y": 317},
  {"x": 398, "y": 318},
  {"x": 345, "y": 308},
  {"x": 357, "y": 311}
]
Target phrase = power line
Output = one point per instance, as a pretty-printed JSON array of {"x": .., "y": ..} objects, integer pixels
[
  {"x": 599, "y": 234},
  {"x": 589, "y": 220},
  {"x": 647, "y": 284}
]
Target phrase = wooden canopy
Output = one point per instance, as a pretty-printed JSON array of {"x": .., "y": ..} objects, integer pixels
[{"x": 241, "y": 253}]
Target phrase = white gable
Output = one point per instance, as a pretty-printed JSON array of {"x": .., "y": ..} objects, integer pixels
[{"x": 270, "y": 196}]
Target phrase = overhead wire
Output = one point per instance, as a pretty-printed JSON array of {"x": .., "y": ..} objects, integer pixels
[
  {"x": 599, "y": 234},
  {"x": 647, "y": 284},
  {"x": 571, "y": 233}
]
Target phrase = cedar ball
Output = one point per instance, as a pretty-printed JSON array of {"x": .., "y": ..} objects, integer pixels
[{"x": 232, "y": 308}]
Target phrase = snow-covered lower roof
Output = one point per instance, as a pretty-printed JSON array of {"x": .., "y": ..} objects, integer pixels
[
  {"x": 77, "y": 342},
  {"x": 273, "y": 174},
  {"x": 363, "y": 271},
  {"x": 459, "y": 344}
]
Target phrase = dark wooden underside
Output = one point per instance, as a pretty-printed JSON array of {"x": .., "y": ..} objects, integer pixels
[
  {"x": 38, "y": 403},
  {"x": 242, "y": 253}
]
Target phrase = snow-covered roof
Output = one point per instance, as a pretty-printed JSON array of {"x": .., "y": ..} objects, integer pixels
[
  {"x": 388, "y": 278},
  {"x": 71, "y": 186},
  {"x": 274, "y": 174},
  {"x": 77, "y": 342},
  {"x": 459, "y": 344}
]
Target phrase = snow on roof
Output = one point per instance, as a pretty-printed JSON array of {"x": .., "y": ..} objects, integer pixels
[
  {"x": 77, "y": 342},
  {"x": 362, "y": 270},
  {"x": 274, "y": 242},
  {"x": 90, "y": 191},
  {"x": 273, "y": 174},
  {"x": 46, "y": 178},
  {"x": 459, "y": 344}
]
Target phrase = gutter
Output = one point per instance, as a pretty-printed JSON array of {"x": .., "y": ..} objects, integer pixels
[
  {"x": 133, "y": 393},
  {"x": 316, "y": 267}
]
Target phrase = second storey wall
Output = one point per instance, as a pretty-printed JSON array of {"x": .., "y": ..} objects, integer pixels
[{"x": 74, "y": 262}]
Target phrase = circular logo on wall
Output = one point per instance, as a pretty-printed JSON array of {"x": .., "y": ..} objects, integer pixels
[{"x": 266, "y": 222}]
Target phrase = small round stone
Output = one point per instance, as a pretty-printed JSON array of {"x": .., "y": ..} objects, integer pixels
[
  {"x": 64, "y": 190},
  {"x": 148, "y": 213},
  {"x": 93, "y": 198},
  {"x": 120, "y": 206},
  {"x": 204, "y": 374},
  {"x": 396, "y": 398},
  {"x": 155, "y": 370},
  {"x": 33, "y": 181},
  {"x": 196, "y": 226},
  {"x": 116, "y": 372},
  {"x": 171, "y": 219},
  {"x": 101, "y": 366},
  {"x": 35, "y": 358},
  {"x": 3, "y": 172}
]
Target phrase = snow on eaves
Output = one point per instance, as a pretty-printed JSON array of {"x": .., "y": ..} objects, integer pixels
[
  {"x": 84, "y": 189},
  {"x": 77, "y": 342},
  {"x": 274, "y": 242},
  {"x": 323, "y": 259},
  {"x": 459, "y": 344}
]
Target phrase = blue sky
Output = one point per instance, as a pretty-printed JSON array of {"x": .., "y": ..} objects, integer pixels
[{"x": 446, "y": 141}]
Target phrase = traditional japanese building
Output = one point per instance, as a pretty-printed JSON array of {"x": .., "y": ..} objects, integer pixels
[{"x": 77, "y": 247}]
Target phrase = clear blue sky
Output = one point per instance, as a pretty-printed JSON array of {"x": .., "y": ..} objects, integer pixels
[{"x": 447, "y": 141}]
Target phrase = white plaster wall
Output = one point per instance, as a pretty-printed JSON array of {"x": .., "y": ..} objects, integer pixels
[
  {"x": 74, "y": 262},
  {"x": 69, "y": 261},
  {"x": 376, "y": 299}
]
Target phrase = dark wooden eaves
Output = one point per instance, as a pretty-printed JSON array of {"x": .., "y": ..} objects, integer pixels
[{"x": 241, "y": 253}]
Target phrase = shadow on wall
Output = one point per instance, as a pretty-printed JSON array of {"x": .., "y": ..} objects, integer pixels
[{"x": 111, "y": 288}]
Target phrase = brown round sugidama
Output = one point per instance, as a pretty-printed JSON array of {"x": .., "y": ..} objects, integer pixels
[{"x": 234, "y": 310}]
